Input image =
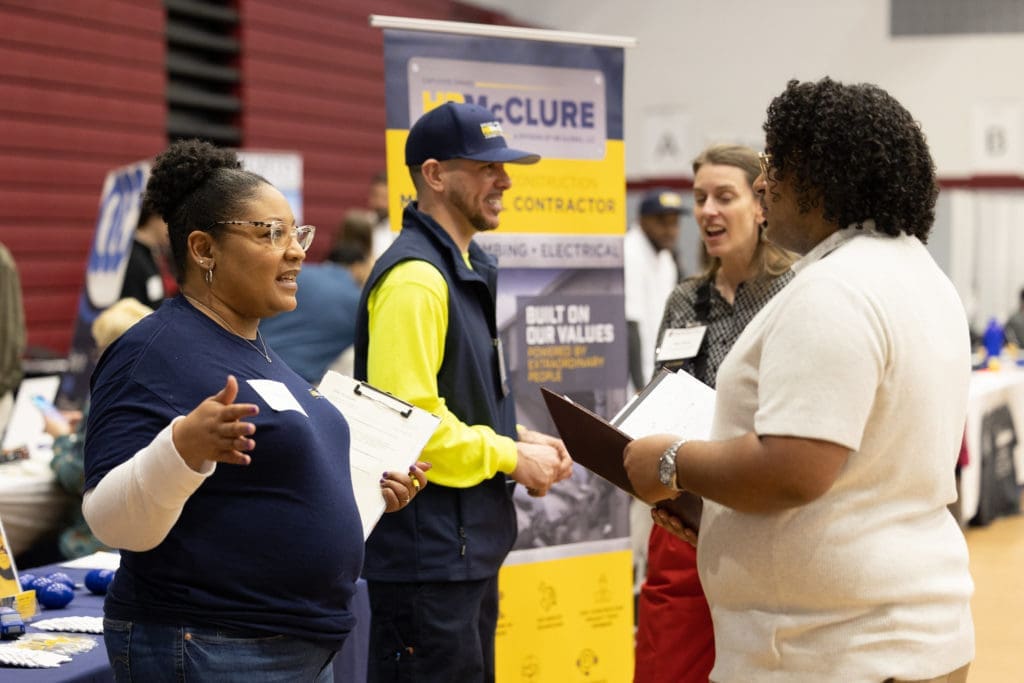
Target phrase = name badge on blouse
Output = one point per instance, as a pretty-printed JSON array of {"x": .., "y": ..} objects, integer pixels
[
  {"x": 680, "y": 343},
  {"x": 276, "y": 395}
]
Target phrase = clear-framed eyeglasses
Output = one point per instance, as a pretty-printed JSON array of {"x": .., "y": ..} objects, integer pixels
[
  {"x": 765, "y": 160},
  {"x": 279, "y": 234}
]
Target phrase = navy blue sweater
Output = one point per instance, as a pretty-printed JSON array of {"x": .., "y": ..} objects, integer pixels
[{"x": 275, "y": 546}]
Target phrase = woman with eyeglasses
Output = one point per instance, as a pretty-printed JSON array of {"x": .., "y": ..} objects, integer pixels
[
  {"x": 221, "y": 474},
  {"x": 675, "y": 641}
]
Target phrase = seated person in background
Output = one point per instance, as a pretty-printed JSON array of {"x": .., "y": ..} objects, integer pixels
[
  {"x": 144, "y": 278},
  {"x": 314, "y": 336},
  {"x": 1014, "y": 329},
  {"x": 67, "y": 464}
]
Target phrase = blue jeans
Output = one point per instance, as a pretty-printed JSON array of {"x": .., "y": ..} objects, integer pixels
[{"x": 154, "y": 653}]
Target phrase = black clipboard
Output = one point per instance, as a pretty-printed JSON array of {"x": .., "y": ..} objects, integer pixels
[{"x": 598, "y": 446}]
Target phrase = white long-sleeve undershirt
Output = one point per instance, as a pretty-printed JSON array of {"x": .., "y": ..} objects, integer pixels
[{"x": 137, "y": 503}]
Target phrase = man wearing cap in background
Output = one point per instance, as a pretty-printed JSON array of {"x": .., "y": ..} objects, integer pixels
[
  {"x": 426, "y": 332},
  {"x": 651, "y": 271}
]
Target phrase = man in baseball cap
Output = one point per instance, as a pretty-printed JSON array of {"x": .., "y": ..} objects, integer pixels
[{"x": 426, "y": 332}]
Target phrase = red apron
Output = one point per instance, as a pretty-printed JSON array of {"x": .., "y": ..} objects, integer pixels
[{"x": 675, "y": 641}]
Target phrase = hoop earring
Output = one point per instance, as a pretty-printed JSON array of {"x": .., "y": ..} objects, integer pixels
[{"x": 208, "y": 276}]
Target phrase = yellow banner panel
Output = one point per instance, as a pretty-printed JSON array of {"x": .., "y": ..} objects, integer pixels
[
  {"x": 555, "y": 196},
  {"x": 566, "y": 621}
]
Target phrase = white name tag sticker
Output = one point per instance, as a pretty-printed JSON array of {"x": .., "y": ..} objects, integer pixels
[
  {"x": 276, "y": 395},
  {"x": 680, "y": 343}
]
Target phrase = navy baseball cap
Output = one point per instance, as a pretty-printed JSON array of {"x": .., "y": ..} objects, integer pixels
[
  {"x": 461, "y": 131},
  {"x": 659, "y": 202}
]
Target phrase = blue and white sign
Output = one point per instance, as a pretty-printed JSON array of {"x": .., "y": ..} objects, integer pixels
[
  {"x": 120, "y": 203},
  {"x": 117, "y": 218}
]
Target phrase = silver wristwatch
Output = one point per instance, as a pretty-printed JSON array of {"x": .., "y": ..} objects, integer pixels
[{"x": 667, "y": 465}]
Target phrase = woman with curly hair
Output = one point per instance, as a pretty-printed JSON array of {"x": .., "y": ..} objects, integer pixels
[
  {"x": 674, "y": 640},
  {"x": 826, "y": 550},
  {"x": 217, "y": 470}
]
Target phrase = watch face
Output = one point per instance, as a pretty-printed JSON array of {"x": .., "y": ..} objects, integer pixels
[{"x": 667, "y": 469}]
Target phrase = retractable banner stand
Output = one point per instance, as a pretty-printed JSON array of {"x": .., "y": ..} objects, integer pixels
[{"x": 566, "y": 608}]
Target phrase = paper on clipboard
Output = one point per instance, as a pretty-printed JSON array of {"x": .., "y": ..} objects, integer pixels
[
  {"x": 668, "y": 404},
  {"x": 388, "y": 435},
  {"x": 671, "y": 403}
]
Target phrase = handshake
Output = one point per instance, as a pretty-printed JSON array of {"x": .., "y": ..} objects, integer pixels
[{"x": 543, "y": 462}]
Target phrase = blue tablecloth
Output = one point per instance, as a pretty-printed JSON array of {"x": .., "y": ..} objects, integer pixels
[{"x": 92, "y": 666}]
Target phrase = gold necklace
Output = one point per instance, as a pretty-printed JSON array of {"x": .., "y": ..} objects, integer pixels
[{"x": 233, "y": 330}]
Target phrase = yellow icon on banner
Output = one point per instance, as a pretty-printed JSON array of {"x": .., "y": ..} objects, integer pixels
[
  {"x": 586, "y": 661},
  {"x": 530, "y": 668},
  {"x": 548, "y": 597}
]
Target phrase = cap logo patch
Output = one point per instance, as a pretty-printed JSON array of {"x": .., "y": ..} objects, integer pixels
[
  {"x": 491, "y": 129},
  {"x": 670, "y": 199}
]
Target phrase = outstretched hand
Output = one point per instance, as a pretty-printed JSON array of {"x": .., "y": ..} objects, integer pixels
[{"x": 214, "y": 430}]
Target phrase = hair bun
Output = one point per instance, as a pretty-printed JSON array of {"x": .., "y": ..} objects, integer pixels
[{"x": 181, "y": 169}]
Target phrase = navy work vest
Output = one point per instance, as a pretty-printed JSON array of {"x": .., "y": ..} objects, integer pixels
[{"x": 449, "y": 534}]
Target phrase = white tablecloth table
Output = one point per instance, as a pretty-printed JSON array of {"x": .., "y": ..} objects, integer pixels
[
  {"x": 990, "y": 390},
  {"x": 32, "y": 504}
]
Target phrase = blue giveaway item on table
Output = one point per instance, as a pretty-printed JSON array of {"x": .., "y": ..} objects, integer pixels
[
  {"x": 97, "y": 580},
  {"x": 61, "y": 577},
  {"x": 54, "y": 595},
  {"x": 26, "y": 581},
  {"x": 38, "y": 583}
]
